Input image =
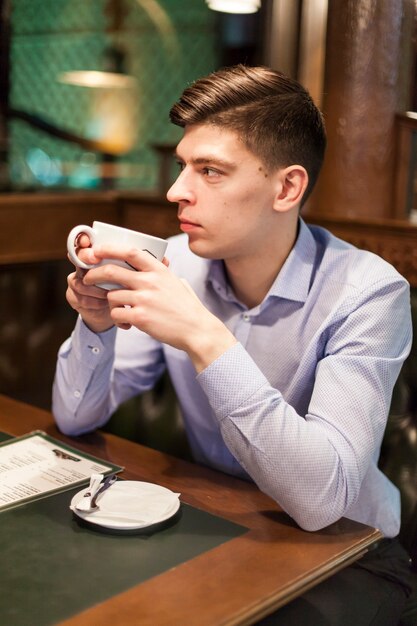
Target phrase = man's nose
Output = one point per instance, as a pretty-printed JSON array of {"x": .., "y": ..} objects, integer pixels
[{"x": 181, "y": 189}]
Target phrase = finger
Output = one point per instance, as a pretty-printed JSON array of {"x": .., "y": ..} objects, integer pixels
[
  {"x": 138, "y": 259},
  {"x": 87, "y": 255},
  {"x": 85, "y": 299},
  {"x": 122, "y": 316},
  {"x": 77, "y": 284},
  {"x": 124, "y": 326},
  {"x": 79, "y": 272},
  {"x": 110, "y": 273},
  {"x": 82, "y": 241}
]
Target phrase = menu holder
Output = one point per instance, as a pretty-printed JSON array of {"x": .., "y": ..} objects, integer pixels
[{"x": 36, "y": 466}]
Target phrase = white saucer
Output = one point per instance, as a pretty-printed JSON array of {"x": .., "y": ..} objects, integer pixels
[{"x": 130, "y": 505}]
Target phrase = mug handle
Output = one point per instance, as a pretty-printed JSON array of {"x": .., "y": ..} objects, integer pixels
[{"x": 72, "y": 244}]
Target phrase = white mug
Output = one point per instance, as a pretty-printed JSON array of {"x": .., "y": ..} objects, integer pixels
[{"x": 102, "y": 234}]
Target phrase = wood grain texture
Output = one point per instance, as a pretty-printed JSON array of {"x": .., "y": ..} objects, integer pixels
[
  {"x": 34, "y": 227},
  {"x": 238, "y": 582},
  {"x": 367, "y": 69},
  {"x": 393, "y": 240}
]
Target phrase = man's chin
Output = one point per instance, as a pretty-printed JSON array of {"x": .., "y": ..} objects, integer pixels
[{"x": 203, "y": 250}]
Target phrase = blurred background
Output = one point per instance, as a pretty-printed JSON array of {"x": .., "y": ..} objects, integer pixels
[
  {"x": 105, "y": 72},
  {"x": 85, "y": 91}
]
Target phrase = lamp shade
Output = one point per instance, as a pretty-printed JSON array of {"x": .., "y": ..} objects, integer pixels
[
  {"x": 234, "y": 6},
  {"x": 95, "y": 79},
  {"x": 111, "y": 118}
]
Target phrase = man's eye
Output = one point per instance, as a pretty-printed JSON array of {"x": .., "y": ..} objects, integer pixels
[
  {"x": 181, "y": 165},
  {"x": 208, "y": 171}
]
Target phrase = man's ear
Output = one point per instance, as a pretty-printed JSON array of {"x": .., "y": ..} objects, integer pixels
[{"x": 292, "y": 183}]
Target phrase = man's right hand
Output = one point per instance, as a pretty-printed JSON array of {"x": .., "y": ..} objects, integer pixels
[{"x": 88, "y": 300}]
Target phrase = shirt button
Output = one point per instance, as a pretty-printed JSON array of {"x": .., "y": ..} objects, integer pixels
[
  {"x": 77, "y": 393},
  {"x": 246, "y": 317},
  {"x": 95, "y": 350}
]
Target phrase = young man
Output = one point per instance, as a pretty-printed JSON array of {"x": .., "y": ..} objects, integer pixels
[{"x": 283, "y": 343}]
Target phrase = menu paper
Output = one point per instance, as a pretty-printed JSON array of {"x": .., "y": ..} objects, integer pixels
[{"x": 36, "y": 465}]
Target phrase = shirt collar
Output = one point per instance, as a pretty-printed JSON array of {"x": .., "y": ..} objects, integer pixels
[{"x": 294, "y": 279}]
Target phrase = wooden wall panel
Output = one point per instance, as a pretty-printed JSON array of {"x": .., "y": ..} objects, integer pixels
[
  {"x": 395, "y": 241},
  {"x": 34, "y": 227}
]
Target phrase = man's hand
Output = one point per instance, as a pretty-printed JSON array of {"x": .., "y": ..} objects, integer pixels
[
  {"x": 155, "y": 301},
  {"x": 89, "y": 301}
]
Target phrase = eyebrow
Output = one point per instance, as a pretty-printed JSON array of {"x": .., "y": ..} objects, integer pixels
[{"x": 208, "y": 160}]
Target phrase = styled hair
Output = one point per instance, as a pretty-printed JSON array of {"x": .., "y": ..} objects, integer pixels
[{"x": 273, "y": 115}]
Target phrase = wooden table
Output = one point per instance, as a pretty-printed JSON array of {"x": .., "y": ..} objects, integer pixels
[{"x": 238, "y": 582}]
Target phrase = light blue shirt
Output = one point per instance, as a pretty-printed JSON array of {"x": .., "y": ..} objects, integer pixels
[{"x": 299, "y": 405}]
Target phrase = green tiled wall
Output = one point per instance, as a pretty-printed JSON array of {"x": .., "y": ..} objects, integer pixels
[{"x": 166, "y": 49}]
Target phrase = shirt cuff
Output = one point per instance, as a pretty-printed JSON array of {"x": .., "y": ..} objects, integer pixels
[
  {"x": 90, "y": 347},
  {"x": 231, "y": 380}
]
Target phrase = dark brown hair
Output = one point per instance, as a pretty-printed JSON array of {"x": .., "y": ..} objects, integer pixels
[{"x": 274, "y": 115}]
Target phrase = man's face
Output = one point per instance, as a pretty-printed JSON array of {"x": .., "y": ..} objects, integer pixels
[{"x": 224, "y": 194}]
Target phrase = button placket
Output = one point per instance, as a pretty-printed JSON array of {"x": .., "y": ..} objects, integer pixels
[{"x": 243, "y": 328}]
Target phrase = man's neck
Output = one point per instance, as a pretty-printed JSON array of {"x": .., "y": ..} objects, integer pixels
[{"x": 252, "y": 278}]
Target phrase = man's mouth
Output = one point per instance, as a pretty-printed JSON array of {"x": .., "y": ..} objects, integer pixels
[{"x": 187, "y": 226}]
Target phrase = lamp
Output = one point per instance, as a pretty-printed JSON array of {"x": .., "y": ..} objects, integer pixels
[
  {"x": 234, "y": 6},
  {"x": 111, "y": 120}
]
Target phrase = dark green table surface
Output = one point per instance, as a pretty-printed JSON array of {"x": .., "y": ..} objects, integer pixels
[{"x": 52, "y": 567}]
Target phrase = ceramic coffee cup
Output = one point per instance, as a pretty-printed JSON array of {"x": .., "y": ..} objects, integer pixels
[{"x": 108, "y": 234}]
